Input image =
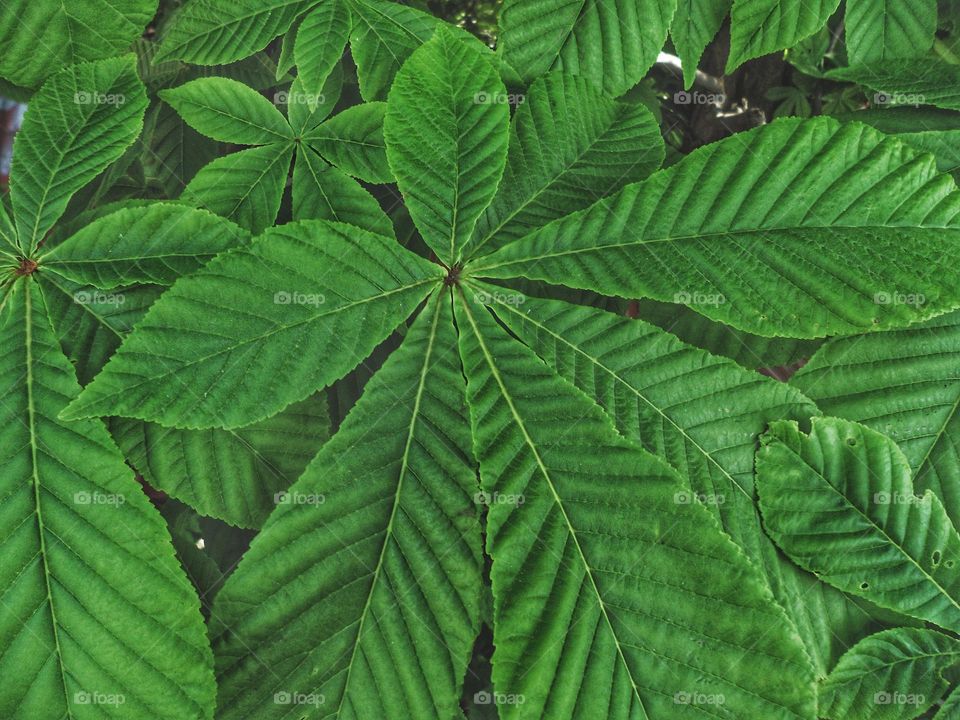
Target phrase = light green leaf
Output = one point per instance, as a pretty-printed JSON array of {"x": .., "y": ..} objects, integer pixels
[
  {"x": 890, "y": 675},
  {"x": 245, "y": 186},
  {"x": 228, "y": 111},
  {"x": 353, "y": 141},
  {"x": 587, "y": 525},
  {"x": 323, "y": 192},
  {"x": 364, "y": 589},
  {"x": 840, "y": 502},
  {"x": 93, "y": 603},
  {"x": 261, "y": 327},
  {"x": 904, "y": 384},
  {"x": 570, "y": 145},
  {"x": 612, "y": 44},
  {"x": 907, "y": 82},
  {"x": 757, "y": 230},
  {"x": 153, "y": 244},
  {"x": 760, "y": 27},
  {"x": 382, "y": 36},
  {"x": 884, "y": 29},
  {"x": 80, "y": 121},
  {"x": 694, "y": 27},
  {"x": 321, "y": 40},
  {"x": 238, "y": 476},
  {"x": 40, "y": 38},
  {"x": 448, "y": 176},
  {"x": 212, "y": 32}
]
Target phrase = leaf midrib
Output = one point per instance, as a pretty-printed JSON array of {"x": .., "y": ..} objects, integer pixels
[{"x": 556, "y": 497}]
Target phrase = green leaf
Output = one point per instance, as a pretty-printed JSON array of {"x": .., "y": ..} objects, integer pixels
[
  {"x": 302, "y": 119},
  {"x": 369, "y": 596},
  {"x": 694, "y": 26},
  {"x": 212, "y": 32},
  {"x": 907, "y": 82},
  {"x": 228, "y": 111},
  {"x": 756, "y": 231},
  {"x": 885, "y": 29},
  {"x": 903, "y": 384},
  {"x": 760, "y": 27},
  {"x": 612, "y": 44},
  {"x": 211, "y": 351},
  {"x": 323, "y": 192},
  {"x": 93, "y": 602},
  {"x": 40, "y": 38},
  {"x": 840, "y": 502},
  {"x": 321, "y": 40},
  {"x": 152, "y": 244},
  {"x": 245, "y": 186},
  {"x": 353, "y": 141},
  {"x": 90, "y": 323},
  {"x": 570, "y": 145},
  {"x": 950, "y": 710},
  {"x": 384, "y": 34},
  {"x": 598, "y": 567},
  {"x": 173, "y": 151},
  {"x": 927, "y": 129},
  {"x": 893, "y": 674},
  {"x": 449, "y": 176},
  {"x": 238, "y": 476},
  {"x": 80, "y": 121}
]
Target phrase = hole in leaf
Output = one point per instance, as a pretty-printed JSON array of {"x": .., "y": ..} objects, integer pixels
[
  {"x": 864, "y": 586},
  {"x": 936, "y": 558},
  {"x": 851, "y": 442},
  {"x": 949, "y": 563}
]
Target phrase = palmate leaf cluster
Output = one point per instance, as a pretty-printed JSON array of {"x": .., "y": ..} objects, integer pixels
[{"x": 344, "y": 292}]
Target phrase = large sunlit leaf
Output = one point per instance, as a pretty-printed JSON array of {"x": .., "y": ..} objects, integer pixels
[
  {"x": 93, "y": 604},
  {"x": 599, "y": 571},
  {"x": 261, "y": 327},
  {"x": 757, "y": 231},
  {"x": 364, "y": 590}
]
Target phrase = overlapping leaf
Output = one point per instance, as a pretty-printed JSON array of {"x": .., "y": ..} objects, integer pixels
[
  {"x": 757, "y": 230},
  {"x": 694, "y": 26},
  {"x": 599, "y": 573},
  {"x": 261, "y": 327},
  {"x": 885, "y": 29},
  {"x": 759, "y": 27},
  {"x": 353, "y": 141},
  {"x": 363, "y": 593}
]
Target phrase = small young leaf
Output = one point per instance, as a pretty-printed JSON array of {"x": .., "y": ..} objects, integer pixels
[{"x": 228, "y": 111}]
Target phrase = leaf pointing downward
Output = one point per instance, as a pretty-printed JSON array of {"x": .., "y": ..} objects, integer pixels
[{"x": 599, "y": 573}]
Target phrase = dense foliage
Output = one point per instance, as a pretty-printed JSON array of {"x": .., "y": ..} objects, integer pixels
[{"x": 552, "y": 360}]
